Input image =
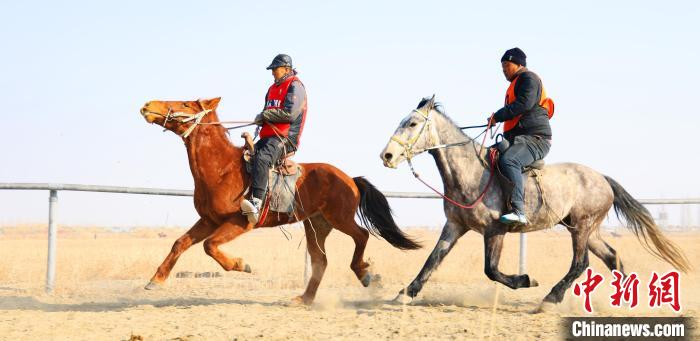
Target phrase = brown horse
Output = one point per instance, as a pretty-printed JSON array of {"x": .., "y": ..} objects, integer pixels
[{"x": 326, "y": 198}]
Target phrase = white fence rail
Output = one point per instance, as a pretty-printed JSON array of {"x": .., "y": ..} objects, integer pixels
[{"x": 55, "y": 188}]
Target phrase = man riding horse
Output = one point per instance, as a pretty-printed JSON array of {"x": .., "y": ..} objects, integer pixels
[
  {"x": 526, "y": 115},
  {"x": 281, "y": 121}
]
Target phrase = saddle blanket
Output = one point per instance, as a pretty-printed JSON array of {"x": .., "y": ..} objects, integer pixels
[{"x": 282, "y": 189}]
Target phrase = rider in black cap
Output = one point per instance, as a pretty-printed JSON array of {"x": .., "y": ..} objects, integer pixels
[
  {"x": 526, "y": 115},
  {"x": 281, "y": 121}
]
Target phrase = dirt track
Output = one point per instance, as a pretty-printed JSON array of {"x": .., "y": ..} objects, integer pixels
[{"x": 99, "y": 291}]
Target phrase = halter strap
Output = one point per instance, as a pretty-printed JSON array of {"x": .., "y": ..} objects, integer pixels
[{"x": 408, "y": 144}]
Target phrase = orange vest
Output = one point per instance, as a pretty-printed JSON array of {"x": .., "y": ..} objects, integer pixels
[{"x": 545, "y": 102}]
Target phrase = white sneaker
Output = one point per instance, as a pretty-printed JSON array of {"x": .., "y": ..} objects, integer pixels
[
  {"x": 251, "y": 209},
  {"x": 513, "y": 218}
]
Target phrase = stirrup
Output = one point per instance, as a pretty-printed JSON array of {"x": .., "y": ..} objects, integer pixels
[{"x": 513, "y": 218}]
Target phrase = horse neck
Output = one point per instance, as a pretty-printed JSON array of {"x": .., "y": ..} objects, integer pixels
[
  {"x": 211, "y": 154},
  {"x": 459, "y": 166}
]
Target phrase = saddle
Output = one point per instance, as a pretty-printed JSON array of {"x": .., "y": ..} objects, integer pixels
[
  {"x": 531, "y": 170},
  {"x": 501, "y": 147},
  {"x": 539, "y": 164},
  {"x": 284, "y": 166}
]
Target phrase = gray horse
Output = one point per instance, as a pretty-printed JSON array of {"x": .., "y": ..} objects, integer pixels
[{"x": 567, "y": 193}]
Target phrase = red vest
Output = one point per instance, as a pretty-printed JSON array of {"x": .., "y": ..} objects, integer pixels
[
  {"x": 545, "y": 102},
  {"x": 275, "y": 100}
]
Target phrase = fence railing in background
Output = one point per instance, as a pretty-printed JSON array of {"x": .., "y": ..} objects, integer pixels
[{"x": 55, "y": 188}]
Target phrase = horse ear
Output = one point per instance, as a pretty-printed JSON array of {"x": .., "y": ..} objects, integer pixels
[
  {"x": 211, "y": 103},
  {"x": 428, "y": 102},
  {"x": 431, "y": 103}
]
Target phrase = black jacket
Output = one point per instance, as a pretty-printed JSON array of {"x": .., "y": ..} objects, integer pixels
[{"x": 534, "y": 119}]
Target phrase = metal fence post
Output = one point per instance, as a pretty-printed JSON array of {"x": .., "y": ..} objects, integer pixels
[
  {"x": 523, "y": 254},
  {"x": 51, "y": 258}
]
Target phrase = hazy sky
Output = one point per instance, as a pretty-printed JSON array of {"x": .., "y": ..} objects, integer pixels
[{"x": 74, "y": 75}]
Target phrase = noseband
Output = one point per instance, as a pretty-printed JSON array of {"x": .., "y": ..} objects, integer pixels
[
  {"x": 183, "y": 117},
  {"x": 408, "y": 145}
]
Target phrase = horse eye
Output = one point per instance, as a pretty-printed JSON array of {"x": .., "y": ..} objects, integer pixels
[
  {"x": 413, "y": 124},
  {"x": 185, "y": 105}
]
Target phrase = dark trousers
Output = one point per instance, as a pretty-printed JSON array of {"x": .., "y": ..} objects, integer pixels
[
  {"x": 267, "y": 152},
  {"x": 524, "y": 150}
]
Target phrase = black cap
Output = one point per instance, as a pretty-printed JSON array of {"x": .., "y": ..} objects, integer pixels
[
  {"x": 280, "y": 60},
  {"x": 515, "y": 55}
]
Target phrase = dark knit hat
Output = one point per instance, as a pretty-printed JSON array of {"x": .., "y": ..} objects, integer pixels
[{"x": 515, "y": 55}]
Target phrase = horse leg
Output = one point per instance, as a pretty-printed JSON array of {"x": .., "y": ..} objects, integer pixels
[
  {"x": 359, "y": 235},
  {"x": 493, "y": 244},
  {"x": 605, "y": 252},
  {"x": 450, "y": 233},
  {"x": 225, "y": 233},
  {"x": 200, "y": 230},
  {"x": 316, "y": 229},
  {"x": 579, "y": 240}
]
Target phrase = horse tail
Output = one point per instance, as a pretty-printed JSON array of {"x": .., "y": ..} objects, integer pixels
[
  {"x": 376, "y": 216},
  {"x": 640, "y": 221}
]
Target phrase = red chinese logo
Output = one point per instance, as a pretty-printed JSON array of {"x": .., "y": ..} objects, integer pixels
[
  {"x": 666, "y": 293},
  {"x": 588, "y": 285},
  {"x": 625, "y": 290},
  {"x": 663, "y": 290}
]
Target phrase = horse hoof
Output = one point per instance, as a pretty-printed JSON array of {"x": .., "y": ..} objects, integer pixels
[
  {"x": 153, "y": 286},
  {"x": 247, "y": 269},
  {"x": 299, "y": 301},
  {"x": 366, "y": 280},
  {"x": 374, "y": 281},
  {"x": 533, "y": 283},
  {"x": 403, "y": 299},
  {"x": 545, "y": 307}
]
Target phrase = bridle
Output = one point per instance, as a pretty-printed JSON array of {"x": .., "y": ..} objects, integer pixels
[
  {"x": 409, "y": 152},
  {"x": 183, "y": 117},
  {"x": 409, "y": 144}
]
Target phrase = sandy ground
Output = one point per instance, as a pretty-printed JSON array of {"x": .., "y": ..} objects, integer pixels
[{"x": 99, "y": 293}]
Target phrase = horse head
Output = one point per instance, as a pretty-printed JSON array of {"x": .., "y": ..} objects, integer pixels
[
  {"x": 415, "y": 134},
  {"x": 180, "y": 117}
]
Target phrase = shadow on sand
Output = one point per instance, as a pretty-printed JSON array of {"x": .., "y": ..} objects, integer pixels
[{"x": 31, "y": 303}]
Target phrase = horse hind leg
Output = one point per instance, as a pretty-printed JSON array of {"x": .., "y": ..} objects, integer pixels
[
  {"x": 199, "y": 231},
  {"x": 605, "y": 252},
  {"x": 316, "y": 229},
  {"x": 359, "y": 235},
  {"x": 579, "y": 240}
]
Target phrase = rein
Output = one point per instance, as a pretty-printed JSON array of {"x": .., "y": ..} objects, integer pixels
[
  {"x": 478, "y": 200},
  {"x": 472, "y": 127},
  {"x": 221, "y": 123}
]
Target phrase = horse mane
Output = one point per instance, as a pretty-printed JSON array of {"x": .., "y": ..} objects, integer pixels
[{"x": 440, "y": 109}]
